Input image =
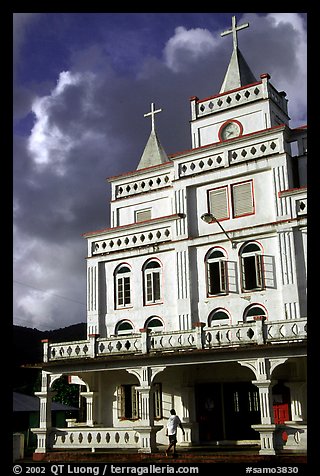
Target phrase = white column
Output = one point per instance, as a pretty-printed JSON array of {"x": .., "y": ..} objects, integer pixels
[
  {"x": 90, "y": 405},
  {"x": 43, "y": 432}
]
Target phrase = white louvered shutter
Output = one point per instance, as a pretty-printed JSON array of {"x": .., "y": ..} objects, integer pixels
[
  {"x": 218, "y": 200},
  {"x": 242, "y": 197}
]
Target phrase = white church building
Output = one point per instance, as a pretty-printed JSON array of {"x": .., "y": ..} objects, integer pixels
[{"x": 196, "y": 294}]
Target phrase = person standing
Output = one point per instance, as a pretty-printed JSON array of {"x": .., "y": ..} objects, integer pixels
[{"x": 171, "y": 431}]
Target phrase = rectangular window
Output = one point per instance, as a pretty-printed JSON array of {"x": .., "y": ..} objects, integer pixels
[
  {"x": 143, "y": 215},
  {"x": 153, "y": 286},
  {"x": 217, "y": 277},
  {"x": 242, "y": 199},
  {"x": 218, "y": 203},
  {"x": 252, "y": 276},
  {"x": 127, "y": 400},
  {"x": 124, "y": 296}
]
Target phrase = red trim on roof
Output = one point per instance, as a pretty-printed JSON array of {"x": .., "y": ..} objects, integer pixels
[
  {"x": 228, "y": 92},
  {"x": 130, "y": 225},
  {"x": 305, "y": 126},
  {"x": 292, "y": 190},
  {"x": 139, "y": 170}
]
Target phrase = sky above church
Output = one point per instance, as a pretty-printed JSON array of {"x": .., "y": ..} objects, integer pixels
[{"x": 82, "y": 83}]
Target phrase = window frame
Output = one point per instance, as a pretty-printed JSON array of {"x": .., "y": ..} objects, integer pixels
[
  {"x": 152, "y": 283},
  {"x": 123, "y": 333},
  {"x": 144, "y": 210},
  {"x": 256, "y": 269},
  {"x": 232, "y": 191},
  {"x": 212, "y": 264},
  {"x": 157, "y": 401},
  {"x": 217, "y": 323},
  {"x": 127, "y": 402},
  {"x": 210, "y": 208},
  {"x": 122, "y": 280}
]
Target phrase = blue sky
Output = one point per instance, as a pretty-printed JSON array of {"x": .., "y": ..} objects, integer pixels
[{"x": 82, "y": 83}]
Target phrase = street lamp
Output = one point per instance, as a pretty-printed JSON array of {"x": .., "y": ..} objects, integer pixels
[{"x": 209, "y": 219}]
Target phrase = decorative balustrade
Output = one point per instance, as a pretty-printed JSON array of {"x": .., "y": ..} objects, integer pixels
[
  {"x": 69, "y": 350},
  {"x": 145, "y": 185},
  {"x": 254, "y": 151},
  {"x": 94, "y": 438},
  {"x": 222, "y": 336},
  {"x": 231, "y": 99},
  {"x": 201, "y": 165},
  {"x": 164, "y": 341},
  {"x": 244, "y": 333},
  {"x": 130, "y": 344},
  {"x": 127, "y": 240},
  {"x": 229, "y": 156},
  {"x": 293, "y": 329},
  {"x": 244, "y": 95}
]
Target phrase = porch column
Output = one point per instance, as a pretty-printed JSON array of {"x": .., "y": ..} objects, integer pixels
[
  {"x": 263, "y": 368},
  {"x": 267, "y": 427},
  {"x": 91, "y": 398},
  {"x": 189, "y": 425},
  {"x": 43, "y": 432}
]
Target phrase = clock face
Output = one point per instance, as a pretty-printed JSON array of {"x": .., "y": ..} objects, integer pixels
[{"x": 230, "y": 130}]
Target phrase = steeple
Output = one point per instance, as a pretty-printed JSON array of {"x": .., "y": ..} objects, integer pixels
[
  {"x": 238, "y": 73},
  {"x": 153, "y": 153}
]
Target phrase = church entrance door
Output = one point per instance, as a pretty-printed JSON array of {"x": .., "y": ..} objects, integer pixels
[{"x": 226, "y": 411}]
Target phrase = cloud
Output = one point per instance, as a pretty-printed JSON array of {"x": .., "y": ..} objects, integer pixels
[
  {"x": 58, "y": 127},
  {"x": 187, "y": 46}
]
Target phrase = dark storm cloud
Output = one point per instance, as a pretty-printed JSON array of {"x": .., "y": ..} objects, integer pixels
[{"x": 89, "y": 125}]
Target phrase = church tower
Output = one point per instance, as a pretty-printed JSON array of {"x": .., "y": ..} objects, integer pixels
[{"x": 243, "y": 105}]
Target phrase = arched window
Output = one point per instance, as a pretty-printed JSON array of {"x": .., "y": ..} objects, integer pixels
[
  {"x": 218, "y": 317},
  {"x": 123, "y": 286},
  {"x": 124, "y": 327},
  {"x": 152, "y": 272},
  {"x": 253, "y": 311},
  {"x": 155, "y": 324},
  {"x": 251, "y": 267},
  {"x": 216, "y": 266}
]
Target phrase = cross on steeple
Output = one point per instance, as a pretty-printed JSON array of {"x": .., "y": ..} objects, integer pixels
[
  {"x": 234, "y": 30},
  {"x": 152, "y": 114}
]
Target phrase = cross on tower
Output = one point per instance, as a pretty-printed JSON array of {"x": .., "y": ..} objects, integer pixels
[
  {"x": 234, "y": 30},
  {"x": 152, "y": 114}
]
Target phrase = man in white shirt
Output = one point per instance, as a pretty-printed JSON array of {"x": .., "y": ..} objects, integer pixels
[{"x": 172, "y": 425}]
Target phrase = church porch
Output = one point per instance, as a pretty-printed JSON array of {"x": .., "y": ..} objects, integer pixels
[{"x": 127, "y": 407}]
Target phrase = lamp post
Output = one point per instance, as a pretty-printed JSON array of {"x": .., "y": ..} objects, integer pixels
[{"x": 209, "y": 219}]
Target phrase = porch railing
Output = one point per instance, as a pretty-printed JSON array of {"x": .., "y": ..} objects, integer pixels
[
  {"x": 94, "y": 438},
  {"x": 256, "y": 332}
]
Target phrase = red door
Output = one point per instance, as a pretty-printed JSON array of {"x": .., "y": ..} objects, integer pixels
[{"x": 280, "y": 412}]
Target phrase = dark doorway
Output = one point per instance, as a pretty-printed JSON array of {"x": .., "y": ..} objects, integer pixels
[
  {"x": 209, "y": 412},
  {"x": 242, "y": 409},
  {"x": 226, "y": 411}
]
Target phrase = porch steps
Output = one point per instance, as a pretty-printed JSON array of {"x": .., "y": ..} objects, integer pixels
[{"x": 195, "y": 455}]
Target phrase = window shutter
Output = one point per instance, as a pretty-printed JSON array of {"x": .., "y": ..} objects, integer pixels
[
  {"x": 259, "y": 275},
  {"x": 218, "y": 200},
  {"x": 232, "y": 277},
  {"x": 223, "y": 276},
  {"x": 242, "y": 199},
  {"x": 120, "y": 401},
  {"x": 134, "y": 402},
  {"x": 269, "y": 275},
  {"x": 143, "y": 215}
]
